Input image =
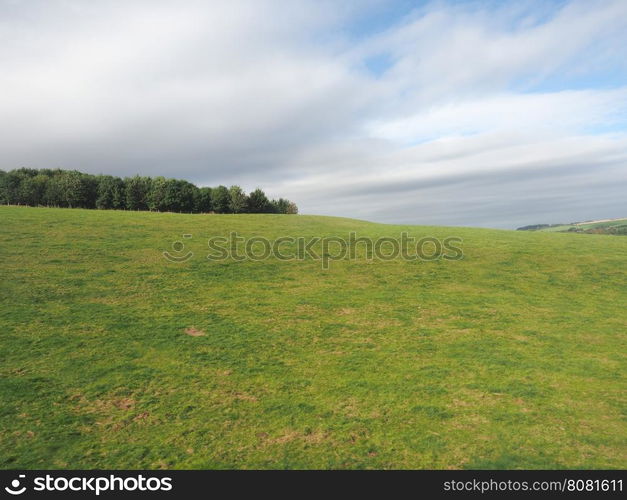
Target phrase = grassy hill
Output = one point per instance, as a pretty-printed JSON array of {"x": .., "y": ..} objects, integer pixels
[
  {"x": 513, "y": 357},
  {"x": 610, "y": 226}
]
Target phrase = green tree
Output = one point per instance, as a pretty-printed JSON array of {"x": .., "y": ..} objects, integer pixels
[
  {"x": 73, "y": 188},
  {"x": 204, "y": 202},
  {"x": 172, "y": 196},
  {"x": 237, "y": 200},
  {"x": 53, "y": 196},
  {"x": 90, "y": 188},
  {"x": 157, "y": 194},
  {"x": 258, "y": 202},
  {"x": 13, "y": 186},
  {"x": 221, "y": 199},
  {"x": 187, "y": 195},
  {"x": 3, "y": 193},
  {"x": 33, "y": 190},
  {"x": 280, "y": 206},
  {"x": 110, "y": 192},
  {"x": 179, "y": 196},
  {"x": 70, "y": 188},
  {"x": 137, "y": 189},
  {"x": 119, "y": 194}
]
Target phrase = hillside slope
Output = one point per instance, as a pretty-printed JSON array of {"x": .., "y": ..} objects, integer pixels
[
  {"x": 607, "y": 226},
  {"x": 512, "y": 357}
]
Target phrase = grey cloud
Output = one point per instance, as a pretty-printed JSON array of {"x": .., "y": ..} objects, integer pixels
[{"x": 274, "y": 94}]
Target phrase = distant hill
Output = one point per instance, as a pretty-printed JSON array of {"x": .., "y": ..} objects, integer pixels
[{"x": 604, "y": 226}]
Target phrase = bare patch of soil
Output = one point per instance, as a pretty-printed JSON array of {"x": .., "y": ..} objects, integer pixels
[{"x": 194, "y": 332}]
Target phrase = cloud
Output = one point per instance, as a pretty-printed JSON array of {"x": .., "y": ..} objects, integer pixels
[
  {"x": 485, "y": 114},
  {"x": 507, "y": 180}
]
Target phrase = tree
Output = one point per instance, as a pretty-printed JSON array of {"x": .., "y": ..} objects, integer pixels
[
  {"x": 258, "y": 202},
  {"x": 12, "y": 186},
  {"x": 237, "y": 200},
  {"x": 53, "y": 196},
  {"x": 137, "y": 189},
  {"x": 157, "y": 194},
  {"x": 73, "y": 188},
  {"x": 221, "y": 199},
  {"x": 90, "y": 189},
  {"x": 280, "y": 206},
  {"x": 110, "y": 192},
  {"x": 187, "y": 195},
  {"x": 33, "y": 190},
  {"x": 3, "y": 190},
  {"x": 172, "y": 197},
  {"x": 292, "y": 208},
  {"x": 119, "y": 194},
  {"x": 204, "y": 203}
]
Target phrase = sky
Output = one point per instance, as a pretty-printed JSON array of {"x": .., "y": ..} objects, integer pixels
[{"x": 464, "y": 113}]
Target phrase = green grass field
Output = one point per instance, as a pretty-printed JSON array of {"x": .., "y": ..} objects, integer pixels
[
  {"x": 586, "y": 225},
  {"x": 513, "y": 357}
]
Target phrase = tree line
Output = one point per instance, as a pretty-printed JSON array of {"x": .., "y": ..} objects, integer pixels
[{"x": 73, "y": 189}]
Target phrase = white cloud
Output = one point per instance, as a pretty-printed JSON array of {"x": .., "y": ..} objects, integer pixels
[
  {"x": 542, "y": 114},
  {"x": 478, "y": 102}
]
